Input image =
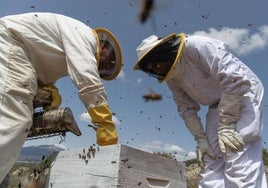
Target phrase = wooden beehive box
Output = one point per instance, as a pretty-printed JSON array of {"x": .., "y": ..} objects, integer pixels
[{"x": 117, "y": 166}]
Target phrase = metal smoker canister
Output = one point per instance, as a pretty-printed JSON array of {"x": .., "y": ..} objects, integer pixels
[{"x": 52, "y": 123}]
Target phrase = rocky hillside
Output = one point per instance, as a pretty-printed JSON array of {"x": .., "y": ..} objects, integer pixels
[{"x": 36, "y": 153}]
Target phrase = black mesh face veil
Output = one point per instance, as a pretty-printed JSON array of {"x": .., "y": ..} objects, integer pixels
[
  {"x": 107, "y": 66},
  {"x": 164, "y": 52},
  {"x": 110, "y": 57}
]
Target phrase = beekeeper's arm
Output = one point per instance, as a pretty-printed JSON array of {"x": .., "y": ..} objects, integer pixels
[
  {"x": 229, "y": 108},
  {"x": 194, "y": 125},
  {"x": 214, "y": 57},
  {"x": 233, "y": 85},
  {"x": 188, "y": 109},
  {"x": 80, "y": 44}
]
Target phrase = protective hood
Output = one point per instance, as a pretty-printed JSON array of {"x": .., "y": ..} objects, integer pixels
[
  {"x": 154, "y": 50},
  {"x": 113, "y": 67}
]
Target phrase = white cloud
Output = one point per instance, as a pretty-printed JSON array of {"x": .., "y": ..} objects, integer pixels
[
  {"x": 241, "y": 41},
  {"x": 116, "y": 121},
  {"x": 138, "y": 81},
  {"x": 55, "y": 140},
  {"x": 61, "y": 146},
  {"x": 86, "y": 118},
  {"x": 177, "y": 151},
  {"x": 121, "y": 76}
]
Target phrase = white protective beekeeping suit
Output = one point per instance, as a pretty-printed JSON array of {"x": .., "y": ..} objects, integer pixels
[
  {"x": 46, "y": 47},
  {"x": 205, "y": 73}
]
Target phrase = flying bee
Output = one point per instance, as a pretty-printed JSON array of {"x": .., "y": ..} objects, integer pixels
[
  {"x": 95, "y": 127},
  {"x": 152, "y": 96},
  {"x": 146, "y": 10}
]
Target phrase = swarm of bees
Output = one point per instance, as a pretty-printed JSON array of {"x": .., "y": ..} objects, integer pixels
[
  {"x": 88, "y": 153},
  {"x": 152, "y": 96}
]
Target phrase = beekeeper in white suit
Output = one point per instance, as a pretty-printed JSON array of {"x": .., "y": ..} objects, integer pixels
[
  {"x": 202, "y": 71},
  {"x": 36, "y": 50}
]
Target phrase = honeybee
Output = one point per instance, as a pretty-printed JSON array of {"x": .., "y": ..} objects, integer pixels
[
  {"x": 145, "y": 10},
  {"x": 95, "y": 127},
  {"x": 152, "y": 96}
]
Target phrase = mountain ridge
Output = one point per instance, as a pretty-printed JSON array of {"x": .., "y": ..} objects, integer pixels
[{"x": 36, "y": 153}]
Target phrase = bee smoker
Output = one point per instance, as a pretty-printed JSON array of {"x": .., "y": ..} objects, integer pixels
[{"x": 52, "y": 123}]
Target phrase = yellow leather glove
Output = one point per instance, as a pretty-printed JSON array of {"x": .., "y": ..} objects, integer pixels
[
  {"x": 55, "y": 96},
  {"x": 106, "y": 132},
  {"x": 42, "y": 97}
]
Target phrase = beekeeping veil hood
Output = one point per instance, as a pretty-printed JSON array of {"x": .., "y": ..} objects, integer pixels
[
  {"x": 154, "y": 50},
  {"x": 111, "y": 67}
]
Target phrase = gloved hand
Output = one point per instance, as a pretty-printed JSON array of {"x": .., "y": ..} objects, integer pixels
[
  {"x": 42, "y": 97},
  {"x": 229, "y": 108},
  {"x": 194, "y": 125},
  {"x": 55, "y": 96},
  {"x": 106, "y": 132}
]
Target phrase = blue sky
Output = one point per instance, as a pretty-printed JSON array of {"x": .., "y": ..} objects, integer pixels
[{"x": 155, "y": 126}]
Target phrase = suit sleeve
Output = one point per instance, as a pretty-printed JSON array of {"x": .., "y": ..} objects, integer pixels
[
  {"x": 186, "y": 106},
  {"x": 80, "y": 45}
]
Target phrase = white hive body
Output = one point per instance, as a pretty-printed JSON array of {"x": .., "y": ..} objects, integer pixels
[{"x": 115, "y": 166}]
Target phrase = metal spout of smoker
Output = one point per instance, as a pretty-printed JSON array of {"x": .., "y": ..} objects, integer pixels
[{"x": 52, "y": 123}]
